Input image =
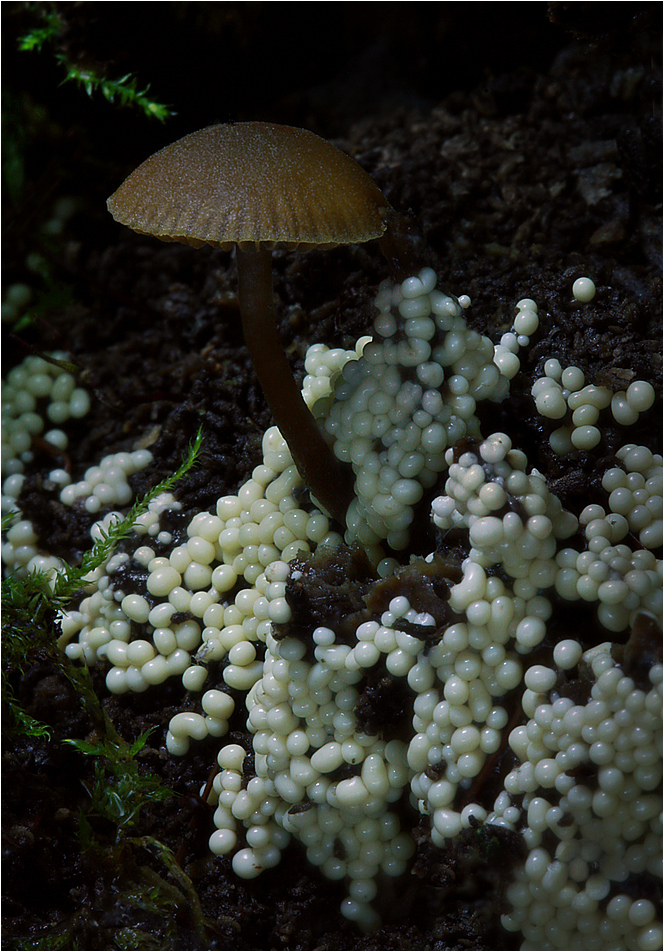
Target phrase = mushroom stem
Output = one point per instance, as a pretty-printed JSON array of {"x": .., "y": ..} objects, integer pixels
[{"x": 327, "y": 478}]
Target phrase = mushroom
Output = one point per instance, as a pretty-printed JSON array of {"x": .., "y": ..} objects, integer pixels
[{"x": 255, "y": 185}]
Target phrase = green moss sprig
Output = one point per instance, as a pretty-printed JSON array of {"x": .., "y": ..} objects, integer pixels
[
  {"x": 125, "y": 90},
  {"x": 119, "y": 790}
]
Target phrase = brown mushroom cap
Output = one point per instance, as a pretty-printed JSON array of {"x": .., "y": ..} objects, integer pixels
[{"x": 252, "y": 182}]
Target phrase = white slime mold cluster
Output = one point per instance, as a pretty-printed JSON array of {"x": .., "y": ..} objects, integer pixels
[
  {"x": 412, "y": 394},
  {"x": 396, "y": 408},
  {"x": 586, "y": 839},
  {"x": 35, "y": 394}
]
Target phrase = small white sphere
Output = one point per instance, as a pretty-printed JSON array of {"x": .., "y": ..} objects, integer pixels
[
  {"x": 640, "y": 395},
  {"x": 526, "y": 322},
  {"x": 585, "y": 437},
  {"x": 584, "y": 290},
  {"x": 567, "y": 654}
]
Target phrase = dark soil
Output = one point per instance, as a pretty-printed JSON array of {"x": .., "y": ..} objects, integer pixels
[{"x": 526, "y": 148}]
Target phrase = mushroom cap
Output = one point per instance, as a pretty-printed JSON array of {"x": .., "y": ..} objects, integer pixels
[{"x": 252, "y": 182}]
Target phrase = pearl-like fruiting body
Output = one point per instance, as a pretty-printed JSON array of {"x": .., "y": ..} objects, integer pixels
[{"x": 584, "y": 290}]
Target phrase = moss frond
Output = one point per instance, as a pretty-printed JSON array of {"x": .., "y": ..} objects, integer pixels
[{"x": 50, "y": 32}]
